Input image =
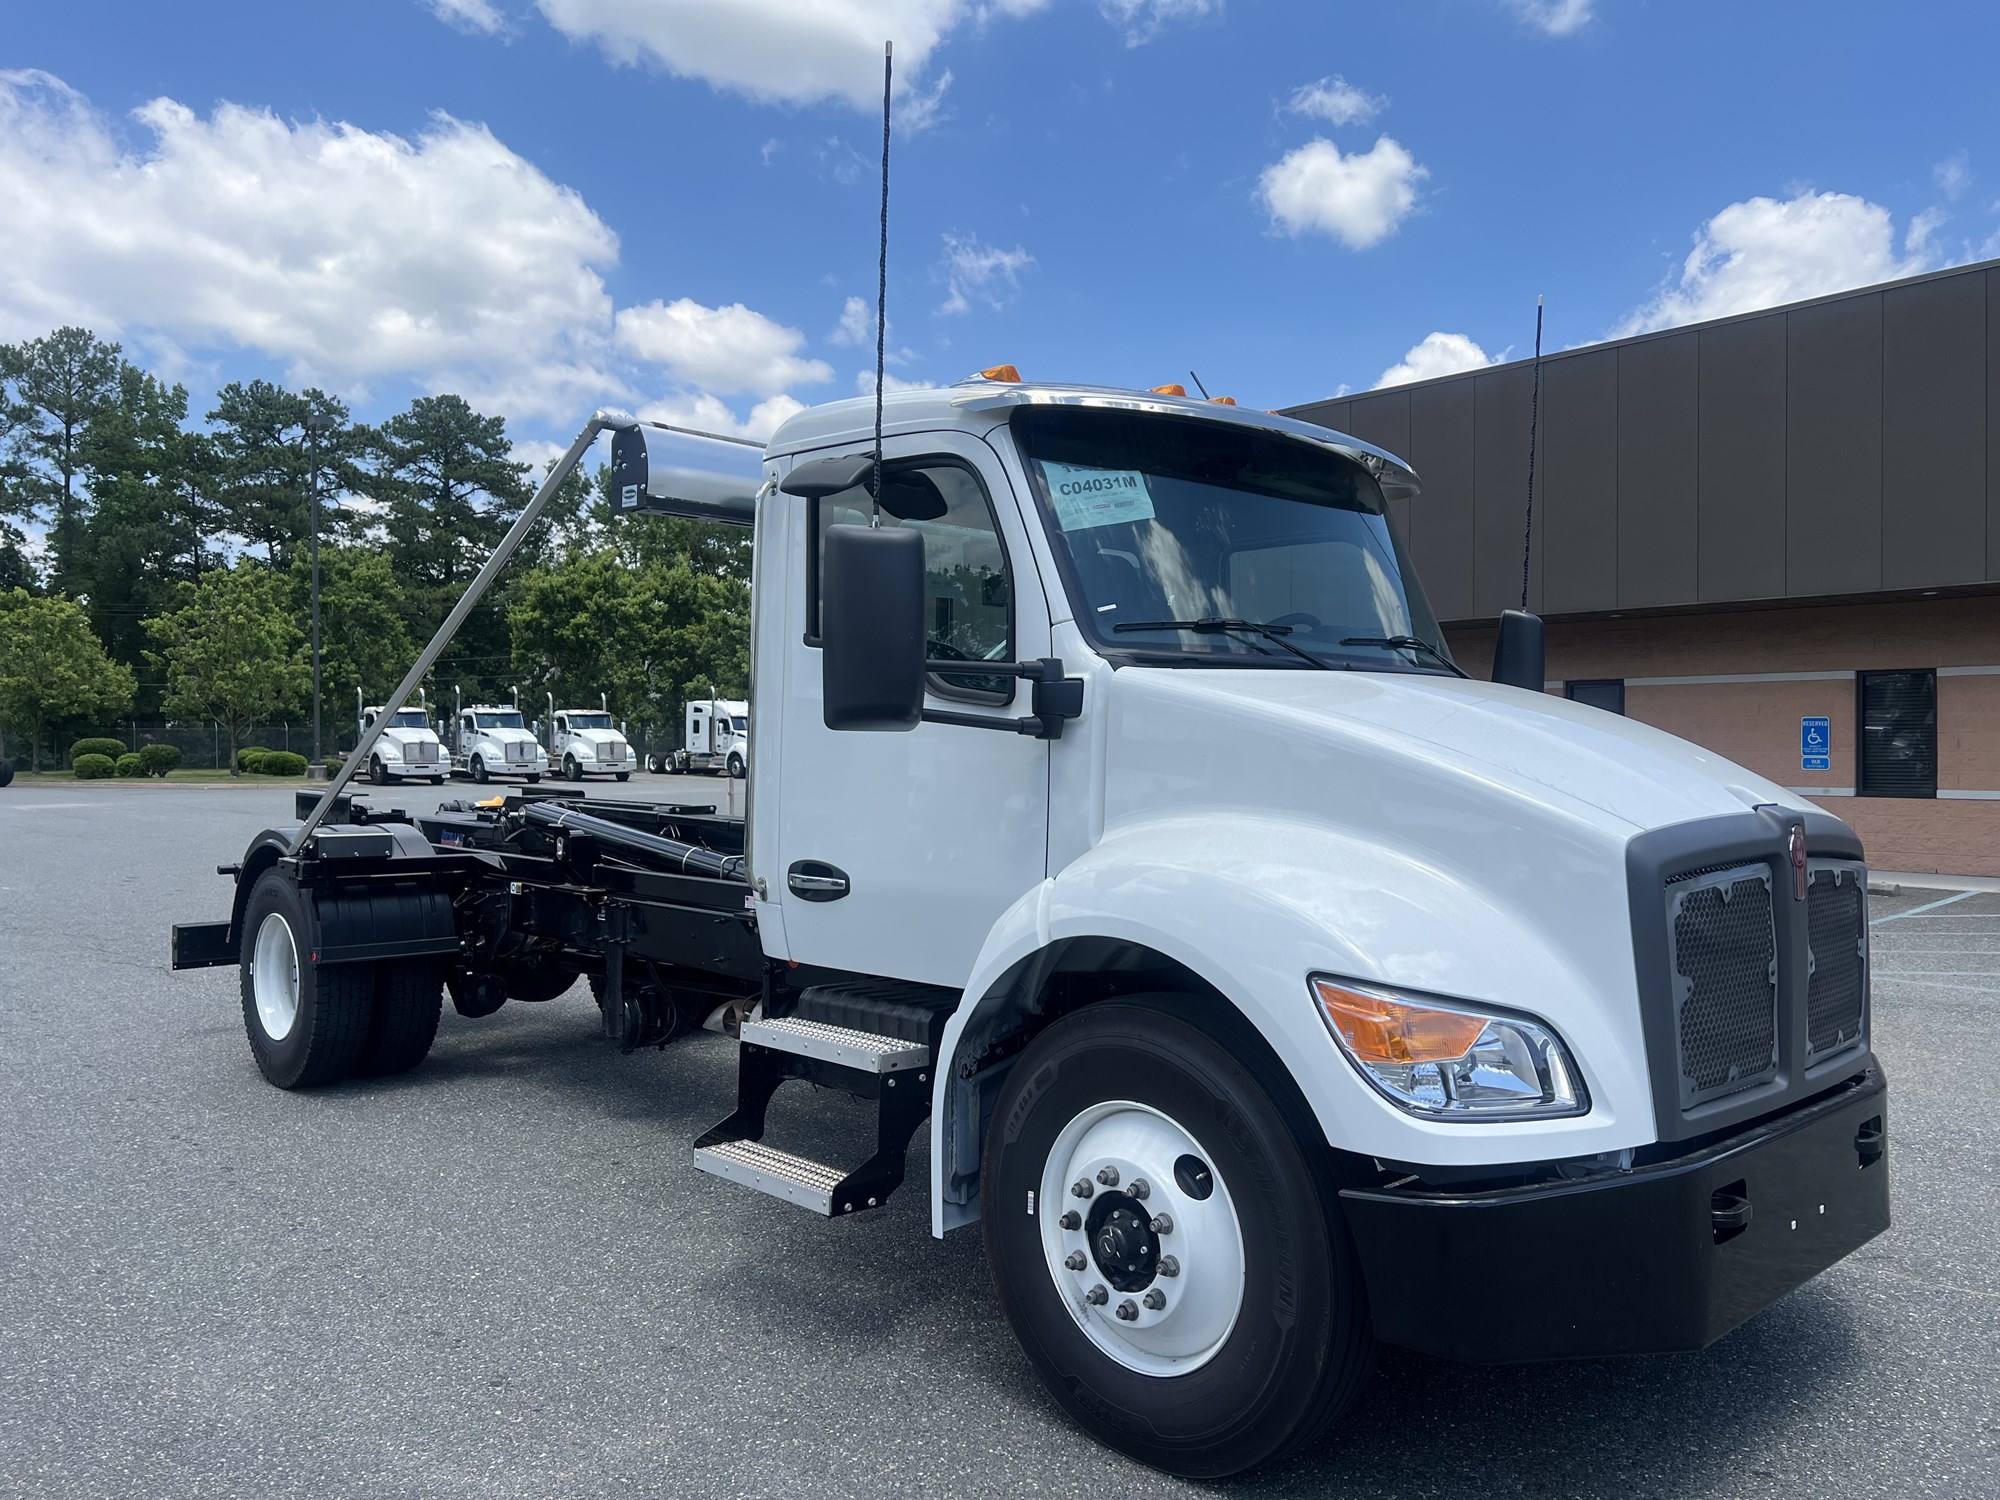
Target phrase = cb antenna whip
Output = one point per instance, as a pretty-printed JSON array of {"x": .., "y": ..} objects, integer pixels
[
  {"x": 882, "y": 280},
  {"x": 1534, "y": 416}
]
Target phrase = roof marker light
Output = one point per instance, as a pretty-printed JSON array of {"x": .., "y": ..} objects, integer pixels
[
  {"x": 1006, "y": 373},
  {"x": 1169, "y": 390},
  {"x": 1222, "y": 400}
]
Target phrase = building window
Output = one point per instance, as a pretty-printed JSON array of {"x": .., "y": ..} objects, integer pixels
[
  {"x": 1898, "y": 712},
  {"x": 1606, "y": 693}
]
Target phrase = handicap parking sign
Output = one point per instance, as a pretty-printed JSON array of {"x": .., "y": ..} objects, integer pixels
[{"x": 1815, "y": 744}]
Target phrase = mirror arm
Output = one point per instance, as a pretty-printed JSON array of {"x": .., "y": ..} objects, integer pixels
[{"x": 1057, "y": 699}]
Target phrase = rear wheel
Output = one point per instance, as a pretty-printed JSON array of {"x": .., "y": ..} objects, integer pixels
[
  {"x": 1180, "y": 1278},
  {"x": 306, "y": 1024},
  {"x": 404, "y": 1020}
]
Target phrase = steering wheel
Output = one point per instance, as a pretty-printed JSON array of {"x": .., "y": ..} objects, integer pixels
[{"x": 1298, "y": 618}]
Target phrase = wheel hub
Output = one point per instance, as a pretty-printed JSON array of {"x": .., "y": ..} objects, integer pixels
[{"x": 1142, "y": 1238}]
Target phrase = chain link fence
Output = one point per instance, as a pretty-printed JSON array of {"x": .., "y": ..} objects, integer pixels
[{"x": 205, "y": 747}]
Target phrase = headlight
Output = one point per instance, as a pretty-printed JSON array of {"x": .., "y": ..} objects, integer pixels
[
  {"x": 388, "y": 751},
  {"x": 1451, "y": 1062}
]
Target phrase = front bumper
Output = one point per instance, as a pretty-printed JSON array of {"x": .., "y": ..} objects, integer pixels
[{"x": 1654, "y": 1260}]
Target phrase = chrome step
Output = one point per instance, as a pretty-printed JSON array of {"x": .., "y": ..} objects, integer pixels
[
  {"x": 864, "y": 1051},
  {"x": 810, "y": 1184}
]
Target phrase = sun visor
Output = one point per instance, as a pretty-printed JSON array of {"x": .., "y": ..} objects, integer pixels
[{"x": 663, "y": 471}]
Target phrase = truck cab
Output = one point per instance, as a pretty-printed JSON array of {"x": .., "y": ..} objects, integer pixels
[
  {"x": 584, "y": 742},
  {"x": 715, "y": 739},
  {"x": 409, "y": 748},
  {"x": 494, "y": 740},
  {"x": 1466, "y": 1019}
]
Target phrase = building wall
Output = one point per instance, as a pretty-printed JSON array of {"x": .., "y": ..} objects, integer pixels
[{"x": 1738, "y": 682}]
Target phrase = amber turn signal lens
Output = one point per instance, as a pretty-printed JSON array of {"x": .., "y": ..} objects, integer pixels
[
  {"x": 1377, "y": 1029},
  {"x": 1002, "y": 372}
]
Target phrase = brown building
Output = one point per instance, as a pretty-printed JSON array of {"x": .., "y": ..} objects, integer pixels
[{"x": 1745, "y": 526}]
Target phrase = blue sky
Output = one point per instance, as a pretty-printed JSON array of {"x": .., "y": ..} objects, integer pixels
[{"x": 667, "y": 204}]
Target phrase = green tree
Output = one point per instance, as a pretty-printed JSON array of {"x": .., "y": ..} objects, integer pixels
[
  {"x": 364, "y": 639},
  {"x": 52, "y": 668},
  {"x": 266, "y": 458},
  {"x": 55, "y": 388},
  {"x": 450, "y": 485},
  {"x": 231, "y": 650}
]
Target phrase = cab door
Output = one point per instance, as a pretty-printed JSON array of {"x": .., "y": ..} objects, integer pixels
[{"x": 895, "y": 853}]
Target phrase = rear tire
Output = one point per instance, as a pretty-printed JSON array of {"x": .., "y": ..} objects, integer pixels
[
  {"x": 306, "y": 1024},
  {"x": 1261, "y": 1337},
  {"x": 404, "y": 1020}
]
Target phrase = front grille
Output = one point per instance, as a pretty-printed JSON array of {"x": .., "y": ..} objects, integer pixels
[
  {"x": 1836, "y": 995},
  {"x": 612, "y": 755},
  {"x": 423, "y": 755},
  {"x": 1724, "y": 951},
  {"x": 519, "y": 751}
]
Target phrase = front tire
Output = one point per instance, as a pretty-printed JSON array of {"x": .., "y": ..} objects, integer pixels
[
  {"x": 571, "y": 770},
  {"x": 307, "y": 1025},
  {"x": 377, "y": 773},
  {"x": 1213, "y": 1323},
  {"x": 479, "y": 770},
  {"x": 736, "y": 770},
  {"x": 624, "y": 775}
]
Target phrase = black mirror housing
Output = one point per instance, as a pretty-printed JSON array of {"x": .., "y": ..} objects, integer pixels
[
  {"x": 1518, "y": 657},
  {"x": 872, "y": 628}
]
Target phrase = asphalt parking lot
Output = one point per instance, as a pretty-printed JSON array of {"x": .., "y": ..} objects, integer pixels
[{"x": 500, "y": 1276}]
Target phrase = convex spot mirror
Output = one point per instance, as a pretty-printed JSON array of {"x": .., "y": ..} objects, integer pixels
[{"x": 872, "y": 628}]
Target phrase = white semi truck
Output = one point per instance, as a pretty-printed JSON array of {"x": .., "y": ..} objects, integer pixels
[
  {"x": 1475, "y": 1021},
  {"x": 715, "y": 739},
  {"x": 490, "y": 739},
  {"x": 584, "y": 742},
  {"x": 408, "y": 748}
]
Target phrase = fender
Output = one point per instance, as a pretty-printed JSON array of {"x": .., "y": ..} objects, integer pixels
[{"x": 1255, "y": 912}]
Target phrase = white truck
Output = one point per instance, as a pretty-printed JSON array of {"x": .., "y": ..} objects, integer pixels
[
  {"x": 490, "y": 739},
  {"x": 715, "y": 740},
  {"x": 408, "y": 748},
  {"x": 1473, "y": 1021},
  {"x": 584, "y": 742}
]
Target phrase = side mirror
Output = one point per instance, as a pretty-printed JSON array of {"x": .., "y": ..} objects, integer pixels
[
  {"x": 1518, "y": 658},
  {"x": 872, "y": 628}
]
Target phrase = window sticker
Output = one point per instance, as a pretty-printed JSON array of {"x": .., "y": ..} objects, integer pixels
[{"x": 1097, "y": 497}]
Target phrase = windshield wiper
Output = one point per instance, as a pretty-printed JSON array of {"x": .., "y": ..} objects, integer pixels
[
  {"x": 1273, "y": 633},
  {"x": 1406, "y": 643}
]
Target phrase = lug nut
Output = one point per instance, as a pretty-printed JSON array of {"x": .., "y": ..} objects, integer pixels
[
  {"x": 1170, "y": 1265},
  {"x": 1128, "y": 1310},
  {"x": 1076, "y": 1260},
  {"x": 1071, "y": 1220},
  {"x": 1108, "y": 1176},
  {"x": 1140, "y": 1188},
  {"x": 1097, "y": 1296},
  {"x": 1163, "y": 1224},
  {"x": 1155, "y": 1299},
  {"x": 1081, "y": 1188}
]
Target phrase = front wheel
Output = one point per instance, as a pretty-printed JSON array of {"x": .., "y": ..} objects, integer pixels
[
  {"x": 736, "y": 769},
  {"x": 532, "y": 777},
  {"x": 624, "y": 775},
  {"x": 571, "y": 769},
  {"x": 1166, "y": 1245},
  {"x": 479, "y": 769},
  {"x": 307, "y": 1025},
  {"x": 377, "y": 772}
]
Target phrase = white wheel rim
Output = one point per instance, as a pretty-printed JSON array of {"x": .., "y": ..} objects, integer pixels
[
  {"x": 1171, "y": 1324},
  {"x": 274, "y": 977}
]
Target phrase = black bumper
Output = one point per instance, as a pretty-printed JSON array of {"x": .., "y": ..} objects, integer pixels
[{"x": 1659, "y": 1259}]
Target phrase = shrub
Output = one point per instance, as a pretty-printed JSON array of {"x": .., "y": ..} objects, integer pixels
[
  {"x": 91, "y": 767},
  {"x": 280, "y": 763},
  {"x": 129, "y": 764},
  {"x": 157, "y": 760},
  {"x": 110, "y": 749},
  {"x": 251, "y": 759}
]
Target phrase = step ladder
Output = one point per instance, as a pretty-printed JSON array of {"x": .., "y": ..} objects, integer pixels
[{"x": 875, "y": 1039}]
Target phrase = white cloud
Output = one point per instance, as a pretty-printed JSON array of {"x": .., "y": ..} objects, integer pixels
[
  {"x": 1438, "y": 354},
  {"x": 974, "y": 271},
  {"x": 1360, "y": 198},
  {"x": 1917, "y": 238},
  {"x": 1556, "y": 17},
  {"x": 727, "y": 349},
  {"x": 1953, "y": 175},
  {"x": 1762, "y": 252},
  {"x": 1142, "y": 20},
  {"x": 857, "y": 324},
  {"x": 351, "y": 255},
  {"x": 864, "y": 384},
  {"x": 706, "y": 413},
  {"x": 475, "y": 17},
  {"x": 1336, "y": 101}
]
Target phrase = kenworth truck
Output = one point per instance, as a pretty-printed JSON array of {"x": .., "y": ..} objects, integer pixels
[
  {"x": 490, "y": 739},
  {"x": 1469, "y": 1020},
  {"x": 584, "y": 742},
  {"x": 408, "y": 748},
  {"x": 715, "y": 738}
]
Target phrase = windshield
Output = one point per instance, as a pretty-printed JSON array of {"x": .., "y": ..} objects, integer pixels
[
  {"x": 409, "y": 718},
  {"x": 742, "y": 723},
  {"x": 1162, "y": 518},
  {"x": 506, "y": 719},
  {"x": 589, "y": 721}
]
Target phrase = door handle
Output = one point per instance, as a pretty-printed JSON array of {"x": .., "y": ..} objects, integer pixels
[{"x": 815, "y": 880}]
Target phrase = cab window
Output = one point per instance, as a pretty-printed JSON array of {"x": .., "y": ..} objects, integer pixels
[{"x": 968, "y": 592}]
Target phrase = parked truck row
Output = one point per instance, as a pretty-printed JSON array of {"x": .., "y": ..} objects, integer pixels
[{"x": 1473, "y": 1021}]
